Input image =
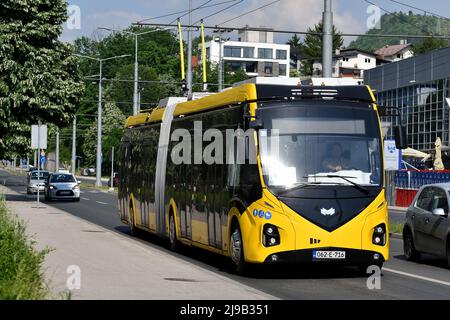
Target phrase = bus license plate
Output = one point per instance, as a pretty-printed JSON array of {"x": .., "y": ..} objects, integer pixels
[{"x": 328, "y": 254}]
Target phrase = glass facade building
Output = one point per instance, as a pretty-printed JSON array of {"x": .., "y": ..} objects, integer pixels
[{"x": 419, "y": 88}]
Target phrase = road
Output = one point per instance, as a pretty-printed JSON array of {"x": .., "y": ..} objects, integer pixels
[{"x": 429, "y": 279}]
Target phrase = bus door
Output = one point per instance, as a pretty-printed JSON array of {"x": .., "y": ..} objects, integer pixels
[
  {"x": 210, "y": 204},
  {"x": 215, "y": 206}
]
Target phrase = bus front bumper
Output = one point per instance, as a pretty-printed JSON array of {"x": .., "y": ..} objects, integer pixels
[{"x": 307, "y": 256}]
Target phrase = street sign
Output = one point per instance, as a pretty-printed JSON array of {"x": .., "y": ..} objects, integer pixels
[
  {"x": 392, "y": 156},
  {"x": 42, "y": 136}
]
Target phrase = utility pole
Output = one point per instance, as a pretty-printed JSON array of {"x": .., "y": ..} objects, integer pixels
[
  {"x": 189, "y": 60},
  {"x": 136, "y": 104},
  {"x": 57, "y": 151},
  {"x": 220, "y": 71},
  {"x": 74, "y": 145},
  {"x": 327, "y": 42},
  {"x": 98, "y": 170},
  {"x": 136, "y": 80},
  {"x": 112, "y": 170},
  {"x": 39, "y": 163}
]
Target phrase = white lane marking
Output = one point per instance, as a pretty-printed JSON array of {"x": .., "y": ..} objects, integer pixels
[
  {"x": 86, "y": 199},
  {"x": 417, "y": 276},
  {"x": 101, "y": 202}
]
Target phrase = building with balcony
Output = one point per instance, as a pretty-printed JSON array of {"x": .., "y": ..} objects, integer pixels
[{"x": 254, "y": 52}]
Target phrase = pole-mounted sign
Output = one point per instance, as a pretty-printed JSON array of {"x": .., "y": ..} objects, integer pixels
[{"x": 39, "y": 142}]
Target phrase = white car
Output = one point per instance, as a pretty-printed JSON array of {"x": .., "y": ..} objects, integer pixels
[{"x": 62, "y": 186}]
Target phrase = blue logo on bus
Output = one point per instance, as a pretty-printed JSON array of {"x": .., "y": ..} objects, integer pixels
[
  {"x": 261, "y": 213},
  {"x": 268, "y": 215},
  {"x": 255, "y": 212}
]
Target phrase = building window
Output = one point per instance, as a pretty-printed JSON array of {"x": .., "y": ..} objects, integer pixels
[
  {"x": 208, "y": 53},
  {"x": 282, "y": 69},
  {"x": 232, "y": 52},
  {"x": 367, "y": 60},
  {"x": 345, "y": 59},
  {"x": 234, "y": 66},
  {"x": 251, "y": 67},
  {"x": 268, "y": 68},
  {"x": 249, "y": 52},
  {"x": 264, "y": 53},
  {"x": 281, "y": 54}
]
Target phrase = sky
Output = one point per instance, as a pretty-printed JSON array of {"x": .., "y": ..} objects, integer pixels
[{"x": 350, "y": 16}]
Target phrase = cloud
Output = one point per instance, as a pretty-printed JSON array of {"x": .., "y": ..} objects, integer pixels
[
  {"x": 90, "y": 23},
  {"x": 295, "y": 15}
]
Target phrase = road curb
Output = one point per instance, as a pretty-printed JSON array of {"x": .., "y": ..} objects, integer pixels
[{"x": 396, "y": 235}]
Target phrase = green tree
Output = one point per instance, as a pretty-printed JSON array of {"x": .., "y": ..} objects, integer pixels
[
  {"x": 296, "y": 51},
  {"x": 429, "y": 44},
  {"x": 312, "y": 45},
  {"x": 38, "y": 74},
  {"x": 113, "y": 121},
  {"x": 405, "y": 24}
]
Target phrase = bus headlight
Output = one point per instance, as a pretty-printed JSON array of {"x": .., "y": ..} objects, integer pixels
[
  {"x": 271, "y": 236},
  {"x": 379, "y": 235}
]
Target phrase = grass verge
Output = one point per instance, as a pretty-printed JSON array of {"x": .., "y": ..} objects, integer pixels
[
  {"x": 396, "y": 228},
  {"x": 21, "y": 275}
]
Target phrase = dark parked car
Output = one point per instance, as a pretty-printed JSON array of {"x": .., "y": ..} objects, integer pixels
[
  {"x": 427, "y": 227},
  {"x": 115, "y": 180}
]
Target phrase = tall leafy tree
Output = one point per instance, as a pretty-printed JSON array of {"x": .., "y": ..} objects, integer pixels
[
  {"x": 38, "y": 74},
  {"x": 429, "y": 44},
  {"x": 313, "y": 45},
  {"x": 113, "y": 121}
]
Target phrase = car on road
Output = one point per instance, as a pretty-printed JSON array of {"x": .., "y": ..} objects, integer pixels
[
  {"x": 62, "y": 186},
  {"x": 33, "y": 183},
  {"x": 427, "y": 227},
  {"x": 88, "y": 171}
]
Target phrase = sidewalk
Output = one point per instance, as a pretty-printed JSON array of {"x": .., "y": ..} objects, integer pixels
[
  {"x": 403, "y": 209},
  {"x": 114, "y": 266}
]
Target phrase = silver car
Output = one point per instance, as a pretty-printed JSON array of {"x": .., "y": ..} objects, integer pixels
[
  {"x": 62, "y": 186},
  {"x": 33, "y": 183},
  {"x": 427, "y": 227}
]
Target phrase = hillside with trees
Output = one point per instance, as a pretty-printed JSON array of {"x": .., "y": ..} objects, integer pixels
[{"x": 400, "y": 23}]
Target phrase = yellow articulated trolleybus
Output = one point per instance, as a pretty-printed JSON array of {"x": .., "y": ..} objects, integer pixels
[{"x": 314, "y": 194}]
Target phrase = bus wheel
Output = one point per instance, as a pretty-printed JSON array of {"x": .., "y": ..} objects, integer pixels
[
  {"x": 237, "y": 250},
  {"x": 172, "y": 233},
  {"x": 131, "y": 223}
]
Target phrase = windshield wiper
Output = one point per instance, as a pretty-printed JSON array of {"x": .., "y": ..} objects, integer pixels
[
  {"x": 356, "y": 185},
  {"x": 300, "y": 186}
]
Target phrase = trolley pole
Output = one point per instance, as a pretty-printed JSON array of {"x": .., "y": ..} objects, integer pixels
[{"x": 327, "y": 47}]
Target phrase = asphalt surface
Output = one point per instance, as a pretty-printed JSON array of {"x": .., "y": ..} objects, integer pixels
[{"x": 428, "y": 279}]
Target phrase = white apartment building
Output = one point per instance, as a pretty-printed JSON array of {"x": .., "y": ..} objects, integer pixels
[
  {"x": 254, "y": 52},
  {"x": 349, "y": 63}
]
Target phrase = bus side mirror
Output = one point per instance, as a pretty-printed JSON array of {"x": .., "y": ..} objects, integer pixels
[{"x": 401, "y": 137}]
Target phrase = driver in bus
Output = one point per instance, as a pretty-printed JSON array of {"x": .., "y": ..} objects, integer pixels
[{"x": 335, "y": 160}]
